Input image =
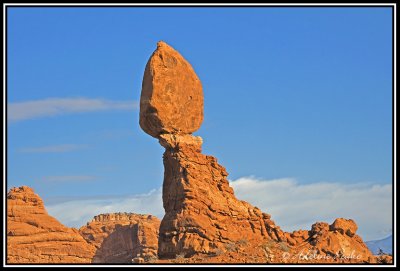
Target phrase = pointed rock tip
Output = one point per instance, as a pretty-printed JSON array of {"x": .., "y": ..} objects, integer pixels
[
  {"x": 23, "y": 188},
  {"x": 161, "y": 43}
]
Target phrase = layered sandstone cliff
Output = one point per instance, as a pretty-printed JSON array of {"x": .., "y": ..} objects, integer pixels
[
  {"x": 123, "y": 237},
  {"x": 35, "y": 237}
]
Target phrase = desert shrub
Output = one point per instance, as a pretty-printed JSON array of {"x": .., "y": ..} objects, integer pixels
[
  {"x": 283, "y": 246},
  {"x": 269, "y": 244},
  {"x": 218, "y": 252},
  {"x": 230, "y": 247},
  {"x": 150, "y": 258},
  {"x": 268, "y": 250},
  {"x": 179, "y": 258},
  {"x": 242, "y": 242}
]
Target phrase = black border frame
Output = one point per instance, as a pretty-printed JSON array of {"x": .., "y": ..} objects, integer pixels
[{"x": 198, "y": 5}]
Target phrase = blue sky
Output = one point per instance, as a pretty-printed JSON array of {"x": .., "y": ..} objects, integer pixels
[{"x": 300, "y": 93}]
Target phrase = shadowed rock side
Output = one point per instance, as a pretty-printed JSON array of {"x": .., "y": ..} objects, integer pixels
[
  {"x": 35, "y": 237},
  {"x": 204, "y": 221},
  {"x": 123, "y": 237}
]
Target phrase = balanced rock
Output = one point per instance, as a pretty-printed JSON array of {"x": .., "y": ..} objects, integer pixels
[
  {"x": 203, "y": 218},
  {"x": 35, "y": 237},
  {"x": 122, "y": 237},
  {"x": 201, "y": 212},
  {"x": 172, "y": 95}
]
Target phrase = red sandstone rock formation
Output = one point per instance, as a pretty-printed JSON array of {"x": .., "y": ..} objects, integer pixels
[
  {"x": 202, "y": 214},
  {"x": 35, "y": 237},
  {"x": 123, "y": 237}
]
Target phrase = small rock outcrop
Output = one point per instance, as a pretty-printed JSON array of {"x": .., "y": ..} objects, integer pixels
[
  {"x": 337, "y": 242},
  {"x": 321, "y": 244},
  {"x": 122, "y": 237},
  {"x": 344, "y": 226},
  {"x": 33, "y": 236}
]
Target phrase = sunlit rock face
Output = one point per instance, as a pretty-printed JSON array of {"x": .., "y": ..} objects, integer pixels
[{"x": 172, "y": 95}]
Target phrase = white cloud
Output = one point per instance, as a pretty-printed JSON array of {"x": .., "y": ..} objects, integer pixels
[
  {"x": 59, "y": 106},
  {"x": 76, "y": 213},
  {"x": 53, "y": 148},
  {"x": 292, "y": 205},
  {"x": 68, "y": 178},
  {"x": 297, "y": 206}
]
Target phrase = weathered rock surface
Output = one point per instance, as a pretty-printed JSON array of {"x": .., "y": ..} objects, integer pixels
[
  {"x": 123, "y": 237},
  {"x": 321, "y": 244},
  {"x": 202, "y": 215},
  {"x": 172, "y": 95},
  {"x": 35, "y": 237}
]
